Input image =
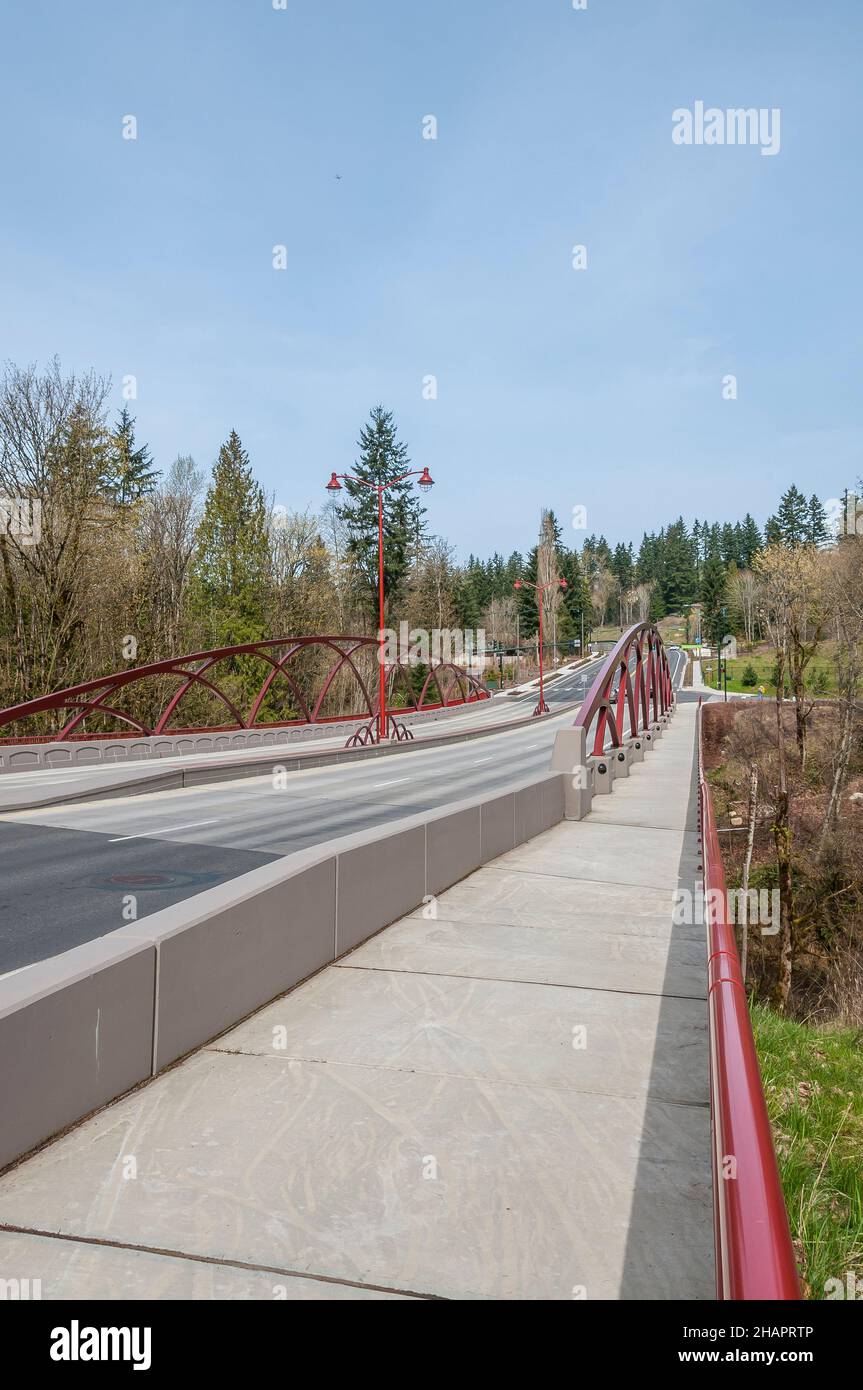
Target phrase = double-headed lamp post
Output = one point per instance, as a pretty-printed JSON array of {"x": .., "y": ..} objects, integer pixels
[
  {"x": 542, "y": 707},
  {"x": 425, "y": 482}
]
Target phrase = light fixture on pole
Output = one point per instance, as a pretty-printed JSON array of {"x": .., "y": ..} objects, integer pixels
[{"x": 368, "y": 733}]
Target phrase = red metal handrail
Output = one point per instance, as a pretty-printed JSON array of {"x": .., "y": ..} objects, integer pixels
[
  {"x": 754, "y": 1254},
  {"x": 644, "y": 687}
]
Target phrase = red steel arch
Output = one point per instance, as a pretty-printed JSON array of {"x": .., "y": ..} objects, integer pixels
[
  {"x": 98, "y": 697},
  {"x": 634, "y": 683}
]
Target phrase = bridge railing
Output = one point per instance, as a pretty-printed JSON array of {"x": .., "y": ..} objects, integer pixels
[
  {"x": 445, "y": 685},
  {"x": 633, "y": 688},
  {"x": 754, "y": 1254}
]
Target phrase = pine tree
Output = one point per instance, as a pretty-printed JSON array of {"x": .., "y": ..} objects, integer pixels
[
  {"x": 713, "y": 589},
  {"x": 383, "y": 457},
  {"x": 576, "y": 599},
  {"x": 528, "y": 610},
  {"x": 680, "y": 581},
  {"x": 728, "y": 544},
  {"x": 750, "y": 541},
  {"x": 713, "y": 541},
  {"x": 817, "y": 531},
  {"x": 790, "y": 525},
  {"x": 230, "y": 564},
  {"x": 650, "y": 569},
  {"x": 130, "y": 475},
  {"x": 622, "y": 566}
]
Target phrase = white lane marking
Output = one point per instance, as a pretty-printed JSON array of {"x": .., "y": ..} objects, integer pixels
[
  {"x": 391, "y": 783},
  {"x": 167, "y": 830},
  {"x": 482, "y": 760}
]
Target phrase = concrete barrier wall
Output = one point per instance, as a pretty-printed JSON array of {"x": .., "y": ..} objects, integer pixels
[
  {"x": 75, "y": 1032},
  {"x": 60, "y": 753},
  {"x": 80, "y": 1029}
]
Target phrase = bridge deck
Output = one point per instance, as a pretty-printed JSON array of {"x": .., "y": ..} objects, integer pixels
[{"x": 424, "y": 1124}]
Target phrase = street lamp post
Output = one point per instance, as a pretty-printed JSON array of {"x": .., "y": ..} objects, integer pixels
[
  {"x": 425, "y": 482},
  {"x": 542, "y": 707}
]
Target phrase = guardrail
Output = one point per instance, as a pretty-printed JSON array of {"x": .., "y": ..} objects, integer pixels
[
  {"x": 754, "y": 1254},
  {"x": 619, "y": 691}
]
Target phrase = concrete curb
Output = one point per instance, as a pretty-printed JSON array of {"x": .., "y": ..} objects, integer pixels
[{"x": 80, "y": 1029}]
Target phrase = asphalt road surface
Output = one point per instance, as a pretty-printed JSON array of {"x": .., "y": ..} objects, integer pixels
[{"x": 67, "y": 870}]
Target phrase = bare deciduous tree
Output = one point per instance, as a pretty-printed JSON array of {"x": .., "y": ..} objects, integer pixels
[
  {"x": 54, "y": 446},
  {"x": 744, "y": 591},
  {"x": 844, "y": 587}
]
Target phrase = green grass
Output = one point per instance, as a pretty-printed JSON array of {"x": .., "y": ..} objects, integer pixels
[
  {"x": 763, "y": 665},
  {"x": 813, "y": 1082}
]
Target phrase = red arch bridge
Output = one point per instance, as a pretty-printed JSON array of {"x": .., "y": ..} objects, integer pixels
[
  {"x": 661, "y": 1130},
  {"x": 313, "y": 670}
]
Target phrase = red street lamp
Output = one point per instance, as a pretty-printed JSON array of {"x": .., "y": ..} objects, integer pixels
[
  {"x": 426, "y": 481},
  {"x": 542, "y": 707}
]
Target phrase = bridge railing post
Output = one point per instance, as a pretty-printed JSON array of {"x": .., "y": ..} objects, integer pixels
[
  {"x": 569, "y": 755},
  {"x": 603, "y": 766},
  {"x": 622, "y": 759}
]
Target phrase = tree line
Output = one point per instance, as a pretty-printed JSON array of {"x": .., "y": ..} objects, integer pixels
[{"x": 136, "y": 563}]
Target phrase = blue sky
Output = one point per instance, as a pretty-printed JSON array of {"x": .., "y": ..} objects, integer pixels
[{"x": 556, "y": 387}]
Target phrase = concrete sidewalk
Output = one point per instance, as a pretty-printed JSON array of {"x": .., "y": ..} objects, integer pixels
[{"x": 502, "y": 1096}]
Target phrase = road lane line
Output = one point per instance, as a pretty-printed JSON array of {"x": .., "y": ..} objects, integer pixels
[
  {"x": 167, "y": 830},
  {"x": 391, "y": 783}
]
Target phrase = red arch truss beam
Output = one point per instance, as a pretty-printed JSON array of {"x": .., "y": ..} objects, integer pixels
[
  {"x": 98, "y": 697},
  {"x": 632, "y": 689}
]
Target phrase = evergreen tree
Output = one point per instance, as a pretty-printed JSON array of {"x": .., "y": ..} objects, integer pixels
[
  {"x": 697, "y": 546},
  {"x": 623, "y": 566},
  {"x": 728, "y": 544},
  {"x": 817, "y": 531},
  {"x": 750, "y": 542},
  {"x": 81, "y": 457},
  {"x": 230, "y": 564},
  {"x": 383, "y": 457},
  {"x": 680, "y": 580},
  {"x": 791, "y": 524},
  {"x": 650, "y": 569},
  {"x": 713, "y": 590},
  {"x": 713, "y": 541},
  {"x": 528, "y": 608},
  {"x": 576, "y": 599},
  {"x": 130, "y": 474}
]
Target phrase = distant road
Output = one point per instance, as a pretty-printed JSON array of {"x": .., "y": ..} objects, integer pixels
[{"x": 67, "y": 869}]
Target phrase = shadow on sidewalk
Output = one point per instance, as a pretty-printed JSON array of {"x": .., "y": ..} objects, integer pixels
[{"x": 673, "y": 1185}]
